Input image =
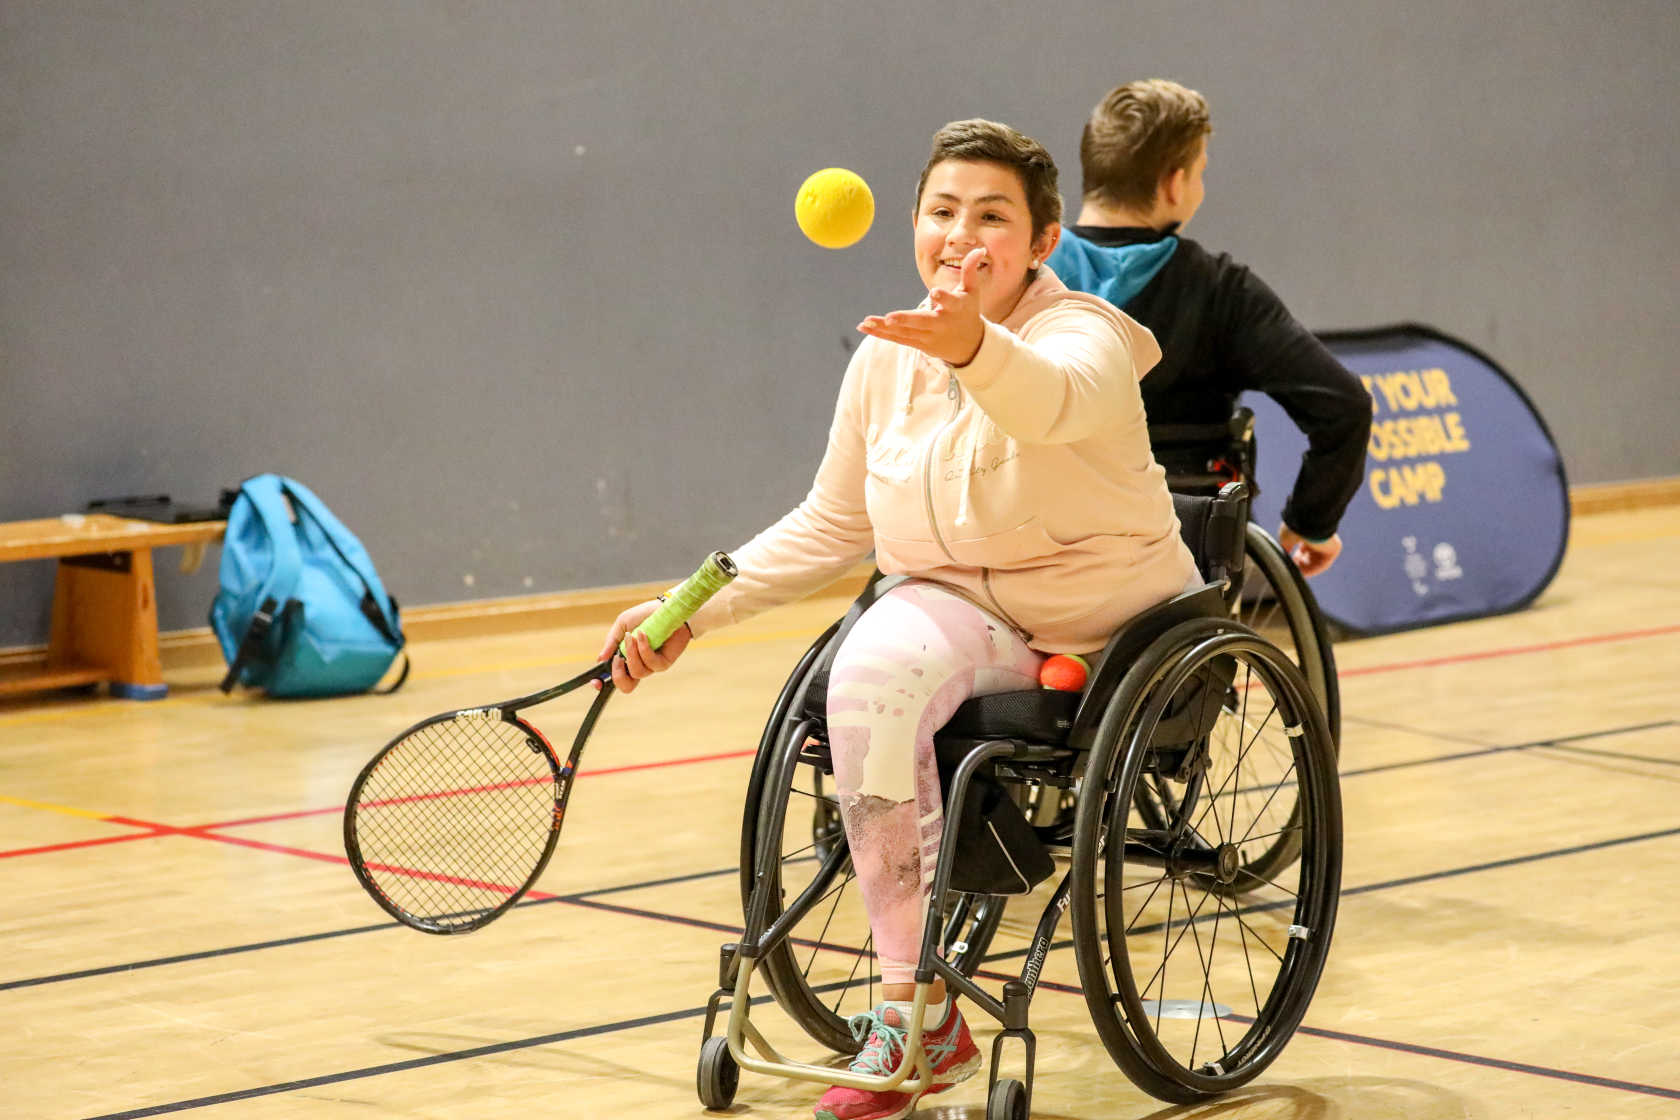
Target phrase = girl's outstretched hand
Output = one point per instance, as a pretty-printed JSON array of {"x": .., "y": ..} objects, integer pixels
[
  {"x": 639, "y": 660},
  {"x": 950, "y": 327}
]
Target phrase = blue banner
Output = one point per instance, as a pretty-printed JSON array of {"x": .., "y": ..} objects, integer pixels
[{"x": 1464, "y": 511}]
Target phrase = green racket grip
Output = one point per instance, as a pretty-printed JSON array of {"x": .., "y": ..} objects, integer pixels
[{"x": 689, "y": 597}]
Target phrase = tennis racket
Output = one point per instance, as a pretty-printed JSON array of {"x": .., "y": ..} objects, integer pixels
[{"x": 450, "y": 824}]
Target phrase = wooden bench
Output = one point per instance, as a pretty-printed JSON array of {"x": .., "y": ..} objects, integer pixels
[{"x": 104, "y": 611}]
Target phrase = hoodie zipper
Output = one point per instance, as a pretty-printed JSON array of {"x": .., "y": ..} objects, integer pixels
[{"x": 953, "y": 392}]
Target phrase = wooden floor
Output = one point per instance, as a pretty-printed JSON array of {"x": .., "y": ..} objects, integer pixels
[{"x": 180, "y": 933}]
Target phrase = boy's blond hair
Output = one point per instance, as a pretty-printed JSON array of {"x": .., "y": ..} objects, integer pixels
[{"x": 1138, "y": 135}]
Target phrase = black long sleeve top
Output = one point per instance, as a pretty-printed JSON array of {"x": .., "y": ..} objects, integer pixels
[{"x": 1223, "y": 331}]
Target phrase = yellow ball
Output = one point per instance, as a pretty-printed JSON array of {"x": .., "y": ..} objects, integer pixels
[{"x": 834, "y": 208}]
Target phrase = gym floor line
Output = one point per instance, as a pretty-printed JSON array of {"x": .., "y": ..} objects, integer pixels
[
  {"x": 1418, "y": 1049},
  {"x": 588, "y": 899},
  {"x": 1426, "y": 1051},
  {"x": 71, "y": 712},
  {"x": 147, "y": 830}
]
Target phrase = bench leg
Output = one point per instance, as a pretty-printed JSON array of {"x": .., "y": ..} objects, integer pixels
[{"x": 105, "y": 618}]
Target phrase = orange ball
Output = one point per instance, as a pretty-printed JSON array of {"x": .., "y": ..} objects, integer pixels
[{"x": 1064, "y": 672}]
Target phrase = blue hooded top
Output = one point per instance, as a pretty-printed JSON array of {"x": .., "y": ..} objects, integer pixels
[{"x": 1114, "y": 272}]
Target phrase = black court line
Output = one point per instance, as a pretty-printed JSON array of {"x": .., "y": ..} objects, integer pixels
[
  {"x": 583, "y": 896},
  {"x": 1591, "y": 1080},
  {"x": 1422, "y": 733},
  {"x": 1511, "y": 861},
  {"x": 1407, "y": 881},
  {"x": 1429, "y": 1051},
  {"x": 580, "y": 897},
  {"x": 410, "y": 1064},
  {"x": 696, "y": 1012},
  {"x": 182, "y": 958},
  {"x": 1622, "y": 756},
  {"x": 1560, "y": 741},
  {"x": 1495, "y": 1063}
]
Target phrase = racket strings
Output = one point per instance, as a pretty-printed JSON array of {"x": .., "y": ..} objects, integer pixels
[{"x": 455, "y": 819}]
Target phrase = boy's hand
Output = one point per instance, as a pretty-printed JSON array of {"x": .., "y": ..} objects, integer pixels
[
  {"x": 1309, "y": 557},
  {"x": 639, "y": 659},
  {"x": 950, "y": 327}
]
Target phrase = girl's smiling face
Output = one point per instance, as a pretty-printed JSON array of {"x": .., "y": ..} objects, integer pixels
[{"x": 968, "y": 205}]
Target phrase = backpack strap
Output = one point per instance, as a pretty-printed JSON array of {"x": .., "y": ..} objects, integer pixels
[
  {"x": 268, "y": 504},
  {"x": 355, "y": 557},
  {"x": 398, "y": 683}
]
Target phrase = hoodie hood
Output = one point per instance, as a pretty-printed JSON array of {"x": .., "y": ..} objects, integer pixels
[{"x": 1114, "y": 272}]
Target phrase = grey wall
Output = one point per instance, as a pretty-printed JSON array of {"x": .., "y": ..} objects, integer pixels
[{"x": 517, "y": 289}]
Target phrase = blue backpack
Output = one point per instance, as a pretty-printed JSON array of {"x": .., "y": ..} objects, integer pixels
[{"x": 301, "y": 612}]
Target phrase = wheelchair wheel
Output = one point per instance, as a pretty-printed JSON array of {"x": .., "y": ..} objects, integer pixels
[
  {"x": 826, "y": 970},
  {"x": 1277, "y": 603},
  {"x": 1194, "y": 984}
]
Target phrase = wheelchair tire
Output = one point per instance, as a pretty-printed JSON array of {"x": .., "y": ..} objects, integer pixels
[
  {"x": 1302, "y": 622},
  {"x": 1277, "y": 603},
  {"x": 1194, "y": 986},
  {"x": 716, "y": 1077},
  {"x": 1008, "y": 1101},
  {"x": 798, "y": 970}
]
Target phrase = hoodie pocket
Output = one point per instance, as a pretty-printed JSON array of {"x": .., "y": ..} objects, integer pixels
[
  {"x": 1020, "y": 547},
  {"x": 896, "y": 555}
]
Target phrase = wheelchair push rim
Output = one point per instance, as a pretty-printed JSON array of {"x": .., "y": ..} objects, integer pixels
[
  {"x": 1287, "y": 614},
  {"x": 1193, "y": 986}
]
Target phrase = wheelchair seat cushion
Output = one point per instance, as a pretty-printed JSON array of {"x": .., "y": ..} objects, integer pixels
[{"x": 1038, "y": 715}]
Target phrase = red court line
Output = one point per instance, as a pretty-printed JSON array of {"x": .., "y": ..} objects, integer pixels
[
  {"x": 1508, "y": 651},
  {"x": 603, "y": 772},
  {"x": 331, "y": 857},
  {"x": 668, "y": 762},
  {"x": 67, "y": 845},
  {"x": 411, "y": 798},
  {"x": 1367, "y": 670}
]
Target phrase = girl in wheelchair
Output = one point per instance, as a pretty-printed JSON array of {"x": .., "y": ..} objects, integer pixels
[{"x": 991, "y": 444}]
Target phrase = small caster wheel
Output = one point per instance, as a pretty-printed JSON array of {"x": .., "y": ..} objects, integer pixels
[
  {"x": 1007, "y": 1102},
  {"x": 718, "y": 1076}
]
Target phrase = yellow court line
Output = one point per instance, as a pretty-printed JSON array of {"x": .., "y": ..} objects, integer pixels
[
  {"x": 589, "y": 659},
  {"x": 51, "y": 808},
  {"x": 580, "y": 659}
]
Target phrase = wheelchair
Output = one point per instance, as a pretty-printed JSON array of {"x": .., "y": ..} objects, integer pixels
[
  {"x": 1200, "y": 459},
  {"x": 1188, "y": 798}
]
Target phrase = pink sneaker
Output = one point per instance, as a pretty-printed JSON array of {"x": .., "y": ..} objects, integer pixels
[{"x": 949, "y": 1047}]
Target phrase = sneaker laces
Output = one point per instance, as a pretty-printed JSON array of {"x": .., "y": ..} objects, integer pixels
[{"x": 884, "y": 1041}]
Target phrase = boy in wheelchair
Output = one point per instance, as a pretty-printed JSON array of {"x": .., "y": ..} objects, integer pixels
[
  {"x": 1222, "y": 330},
  {"x": 991, "y": 445}
]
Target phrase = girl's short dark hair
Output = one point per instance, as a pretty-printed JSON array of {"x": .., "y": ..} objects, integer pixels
[{"x": 983, "y": 141}]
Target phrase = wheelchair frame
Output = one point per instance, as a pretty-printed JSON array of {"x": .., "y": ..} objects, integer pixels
[
  {"x": 1201, "y": 616},
  {"x": 1226, "y": 453}
]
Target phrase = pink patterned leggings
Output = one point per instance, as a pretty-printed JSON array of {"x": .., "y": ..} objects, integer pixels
[{"x": 904, "y": 668}]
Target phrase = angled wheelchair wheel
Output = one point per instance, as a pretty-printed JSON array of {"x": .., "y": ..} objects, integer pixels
[
  {"x": 1194, "y": 984},
  {"x": 825, "y": 970},
  {"x": 1278, "y": 604}
]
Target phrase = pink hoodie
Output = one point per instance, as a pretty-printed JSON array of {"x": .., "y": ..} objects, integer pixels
[{"x": 1023, "y": 479}]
